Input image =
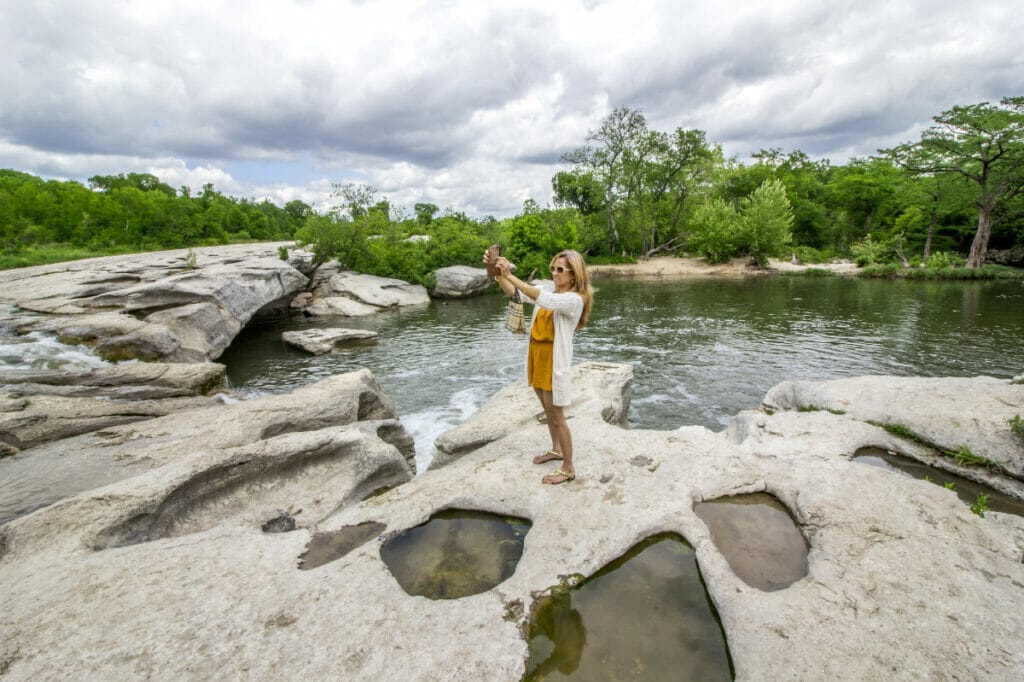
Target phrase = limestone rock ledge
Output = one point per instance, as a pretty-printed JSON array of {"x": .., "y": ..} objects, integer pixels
[
  {"x": 66, "y": 467},
  {"x": 904, "y": 582},
  {"x": 948, "y": 413},
  {"x": 39, "y": 406},
  {"x": 162, "y": 306}
]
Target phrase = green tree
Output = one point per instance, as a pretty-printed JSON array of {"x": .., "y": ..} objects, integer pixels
[
  {"x": 766, "y": 224},
  {"x": 983, "y": 145},
  {"x": 715, "y": 231},
  {"x": 605, "y": 159},
  {"x": 425, "y": 213}
]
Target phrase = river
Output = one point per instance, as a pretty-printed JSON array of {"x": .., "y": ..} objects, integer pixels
[{"x": 702, "y": 349}]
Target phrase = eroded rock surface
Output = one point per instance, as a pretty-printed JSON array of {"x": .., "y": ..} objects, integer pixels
[
  {"x": 947, "y": 412},
  {"x": 460, "y": 281},
  {"x": 66, "y": 467},
  {"x": 129, "y": 381},
  {"x": 600, "y": 390},
  {"x": 903, "y": 583},
  {"x": 351, "y": 294},
  {"x": 157, "y": 306},
  {"x": 39, "y": 406}
]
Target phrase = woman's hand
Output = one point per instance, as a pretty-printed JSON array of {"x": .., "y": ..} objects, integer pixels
[{"x": 504, "y": 266}]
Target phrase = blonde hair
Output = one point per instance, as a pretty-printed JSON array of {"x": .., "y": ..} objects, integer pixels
[{"x": 580, "y": 281}]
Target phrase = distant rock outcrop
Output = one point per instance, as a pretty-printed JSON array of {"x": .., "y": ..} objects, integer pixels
[
  {"x": 460, "y": 281},
  {"x": 320, "y": 341},
  {"x": 173, "y": 306}
]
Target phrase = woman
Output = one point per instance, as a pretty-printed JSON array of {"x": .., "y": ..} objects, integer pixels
[{"x": 559, "y": 311}]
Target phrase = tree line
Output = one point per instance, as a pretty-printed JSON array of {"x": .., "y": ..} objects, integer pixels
[
  {"x": 132, "y": 212},
  {"x": 627, "y": 192}
]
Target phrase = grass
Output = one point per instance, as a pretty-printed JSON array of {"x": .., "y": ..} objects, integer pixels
[
  {"x": 810, "y": 272},
  {"x": 1017, "y": 426},
  {"x": 893, "y": 271},
  {"x": 980, "y": 505},
  {"x": 963, "y": 454},
  {"x": 52, "y": 253},
  {"x": 814, "y": 408},
  {"x": 45, "y": 254}
]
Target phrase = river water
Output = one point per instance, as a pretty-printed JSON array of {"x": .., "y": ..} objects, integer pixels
[{"x": 702, "y": 349}]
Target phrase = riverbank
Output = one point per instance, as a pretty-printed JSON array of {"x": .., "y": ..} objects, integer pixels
[{"x": 680, "y": 268}]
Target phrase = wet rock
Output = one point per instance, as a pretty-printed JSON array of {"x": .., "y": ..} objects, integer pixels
[
  {"x": 320, "y": 341},
  {"x": 330, "y": 546},
  {"x": 460, "y": 281},
  {"x": 302, "y": 301},
  {"x": 283, "y": 522},
  {"x": 602, "y": 390}
]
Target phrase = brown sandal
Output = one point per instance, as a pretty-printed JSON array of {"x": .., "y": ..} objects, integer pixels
[{"x": 547, "y": 456}]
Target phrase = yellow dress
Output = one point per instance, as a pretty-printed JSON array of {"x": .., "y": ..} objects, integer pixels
[{"x": 542, "y": 341}]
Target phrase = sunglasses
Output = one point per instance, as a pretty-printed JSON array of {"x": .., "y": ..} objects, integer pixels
[{"x": 558, "y": 270}]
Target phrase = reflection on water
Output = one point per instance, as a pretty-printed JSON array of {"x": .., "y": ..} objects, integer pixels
[
  {"x": 456, "y": 553},
  {"x": 966, "y": 489},
  {"x": 645, "y": 616},
  {"x": 702, "y": 350},
  {"x": 758, "y": 537}
]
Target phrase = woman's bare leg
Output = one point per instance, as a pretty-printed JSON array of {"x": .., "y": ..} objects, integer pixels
[
  {"x": 545, "y": 401},
  {"x": 558, "y": 427}
]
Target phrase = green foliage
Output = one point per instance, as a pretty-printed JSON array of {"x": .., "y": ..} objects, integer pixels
[
  {"x": 1017, "y": 425},
  {"x": 943, "y": 259},
  {"x": 981, "y": 146},
  {"x": 715, "y": 231},
  {"x": 810, "y": 272},
  {"x": 901, "y": 431},
  {"x": 44, "y": 221},
  {"x": 965, "y": 457},
  {"x": 282, "y": 252},
  {"x": 985, "y": 272},
  {"x": 867, "y": 251},
  {"x": 980, "y": 505},
  {"x": 809, "y": 254},
  {"x": 190, "y": 260},
  {"x": 766, "y": 224},
  {"x": 949, "y": 485}
]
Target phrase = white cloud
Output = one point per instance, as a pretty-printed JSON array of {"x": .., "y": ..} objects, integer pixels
[{"x": 464, "y": 103}]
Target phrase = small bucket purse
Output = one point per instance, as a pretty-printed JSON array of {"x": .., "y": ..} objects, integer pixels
[{"x": 515, "y": 322}]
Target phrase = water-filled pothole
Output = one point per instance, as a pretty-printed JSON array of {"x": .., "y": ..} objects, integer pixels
[
  {"x": 331, "y": 545},
  {"x": 758, "y": 537},
  {"x": 456, "y": 553},
  {"x": 967, "y": 490},
  {"x": 645, "y": 616}
]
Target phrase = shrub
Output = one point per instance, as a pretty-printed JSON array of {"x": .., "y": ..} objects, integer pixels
[
  {"x": 809, "y": 254},
  {"x": 715, "y": 231},
  {"x": 767, "y": 224}
]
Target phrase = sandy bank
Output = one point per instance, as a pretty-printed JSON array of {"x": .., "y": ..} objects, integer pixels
[{"x": 672, "y": 266}]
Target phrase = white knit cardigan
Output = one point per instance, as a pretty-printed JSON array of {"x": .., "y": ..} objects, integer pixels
[{"x": 567, "y": 308}]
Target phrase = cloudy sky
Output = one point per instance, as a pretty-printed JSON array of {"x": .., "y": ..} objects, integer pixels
[{"x": 470, "y": 104}]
